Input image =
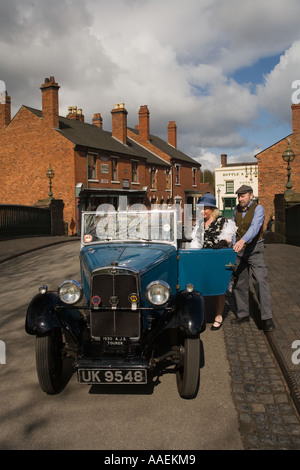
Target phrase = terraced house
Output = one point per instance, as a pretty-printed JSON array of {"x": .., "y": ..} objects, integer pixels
[{"x": 91, "y": 166}]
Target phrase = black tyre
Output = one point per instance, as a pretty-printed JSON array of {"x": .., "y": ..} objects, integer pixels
[
  {"x": 188, "y": 373},
  {"x": 49, "y": 361}
]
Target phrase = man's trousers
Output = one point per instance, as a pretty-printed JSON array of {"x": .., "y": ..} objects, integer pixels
[{"x": 252, "y": 257}]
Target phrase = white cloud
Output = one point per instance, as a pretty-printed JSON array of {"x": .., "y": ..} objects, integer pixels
[{"x": 275, "y": 94}]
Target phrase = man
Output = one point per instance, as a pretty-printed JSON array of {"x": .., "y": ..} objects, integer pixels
[{"x": 249, "y": 246}]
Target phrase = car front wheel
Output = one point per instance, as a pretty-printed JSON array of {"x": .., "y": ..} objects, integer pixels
[
  {"x": 188, "y": 372},
  {"x": 49, "y": 361}
]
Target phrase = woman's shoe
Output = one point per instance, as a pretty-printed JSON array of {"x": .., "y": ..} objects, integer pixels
[{"x": 214, "y": 328}]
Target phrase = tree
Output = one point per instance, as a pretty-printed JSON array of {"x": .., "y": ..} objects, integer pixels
[{"x": 208, "y": 176}]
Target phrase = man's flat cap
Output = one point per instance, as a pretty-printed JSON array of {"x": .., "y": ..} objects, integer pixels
[{"x": 244, "y": 189}]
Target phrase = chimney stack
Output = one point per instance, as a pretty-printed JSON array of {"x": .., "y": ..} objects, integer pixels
[
  {"x": 223, "y": 160},
  {"x": 172, "y": 134},
  {"x": 97, "y": 120},
  {"x": 144, "y": 126},
  {"x": 296, "y": 118},
  {"x": 50, "y": 108},
  {"x": 75, "y": 114},
  {"x": 5, "y": 109},
  {"x": 119, "y": 123}
]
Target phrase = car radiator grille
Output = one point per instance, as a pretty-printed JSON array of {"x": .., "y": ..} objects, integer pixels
[
  {"x": 114, "y": 289},
  {"x": 114, "y": 317}
]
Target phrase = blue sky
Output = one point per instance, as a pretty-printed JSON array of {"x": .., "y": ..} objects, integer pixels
[
  {"x": 221, "y": 69},
  {"x": 255, "y": 73}
]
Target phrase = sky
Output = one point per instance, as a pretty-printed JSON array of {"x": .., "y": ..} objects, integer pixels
[{"x": 223, "y": 70}]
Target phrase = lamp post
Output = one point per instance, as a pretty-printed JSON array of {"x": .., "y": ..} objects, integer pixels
[
  {"x": 288, "y": 156},
  {"x": 50, "y": 174},
  {"x": 218, "y": 191}
]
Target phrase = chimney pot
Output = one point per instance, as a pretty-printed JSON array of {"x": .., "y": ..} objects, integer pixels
[
  {"x": 144, "y": 124},
  {"x": 50, "y": 106},
  {"x": 223, "y": 160},
  {"x": 119, "y": 123},
  {"x": 97, "y": 120},
  {"x": 5, "y": 110},
  {"x": 172, "y": 134}
]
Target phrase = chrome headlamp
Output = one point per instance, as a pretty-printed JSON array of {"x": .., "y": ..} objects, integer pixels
[
  {"x": 158, "y": 292},
  {"x": 70, "y": 292}
]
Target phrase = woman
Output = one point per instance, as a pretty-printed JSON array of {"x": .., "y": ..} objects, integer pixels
[{"x": 218, "y": 233}]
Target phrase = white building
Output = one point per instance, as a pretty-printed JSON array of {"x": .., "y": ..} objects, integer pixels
[{"x": 228, "y": 178}]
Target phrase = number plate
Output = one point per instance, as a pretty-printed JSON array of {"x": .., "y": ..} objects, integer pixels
[{"x": 112, "y": 376}]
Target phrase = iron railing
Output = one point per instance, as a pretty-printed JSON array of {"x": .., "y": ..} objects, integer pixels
[
  {"x": 18, "y": 221},
  {"x": 292, "y": 224}
]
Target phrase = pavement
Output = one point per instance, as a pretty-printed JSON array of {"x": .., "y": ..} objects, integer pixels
[{"x": 265, "y": 367}]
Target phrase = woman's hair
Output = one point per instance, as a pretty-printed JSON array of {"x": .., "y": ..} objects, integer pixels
[{"x": 216, "y": 212}]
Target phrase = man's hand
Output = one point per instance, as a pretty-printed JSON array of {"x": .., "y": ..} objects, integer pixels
[{"x": 239, "y": 245}]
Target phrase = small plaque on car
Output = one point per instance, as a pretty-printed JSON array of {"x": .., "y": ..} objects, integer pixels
[{"x": 112, "y": 376}]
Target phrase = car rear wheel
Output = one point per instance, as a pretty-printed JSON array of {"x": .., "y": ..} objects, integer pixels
[
  {"x": 188, "y": 373},
  {"x": 49, "y": 361}
]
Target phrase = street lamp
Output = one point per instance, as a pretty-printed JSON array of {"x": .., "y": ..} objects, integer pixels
[
  {"x": 50, "y": 174},
  {"x": 218, "y": 191},
  {"x": 288, "y": 156}
]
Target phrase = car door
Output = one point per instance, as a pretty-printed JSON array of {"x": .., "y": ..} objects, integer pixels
[{"x": 208, "y": 270}]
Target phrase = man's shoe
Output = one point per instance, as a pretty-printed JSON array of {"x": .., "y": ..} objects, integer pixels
[
  {"x": 268, "y": 325},
  {"x": 238, "y": 321}
]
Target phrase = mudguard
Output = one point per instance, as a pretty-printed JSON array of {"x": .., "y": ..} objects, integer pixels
[
  {"x": 190, "y": 313},
  {"x": 42, "y": 316}
]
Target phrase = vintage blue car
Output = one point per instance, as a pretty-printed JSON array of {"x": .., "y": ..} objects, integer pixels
[{"x": 138, "y": 308}]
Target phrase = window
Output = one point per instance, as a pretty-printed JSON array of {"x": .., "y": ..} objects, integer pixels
[
  {"x": 92, "y": 173},
  {"x": 134, "y": 172},
  {"x": 152, "y": 178},
  {"x": 194, "y": 173},
  {"x": 177, "y": 174},
  {"x": 114, "y": 169},
  {"x": 168, "y": 179},
  {"x": 229, "y": 187}
]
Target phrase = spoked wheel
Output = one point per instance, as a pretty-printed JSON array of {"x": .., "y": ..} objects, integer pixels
[
  {"x": 49, "y": 361},
  {"x": 188, "y": 373}
]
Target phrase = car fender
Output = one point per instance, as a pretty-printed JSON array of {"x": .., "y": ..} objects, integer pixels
[
  {"x": 43, "y": 315},
  {"x": 190, "y": 312}
]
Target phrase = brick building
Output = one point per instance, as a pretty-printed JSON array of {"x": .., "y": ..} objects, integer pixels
[
  {"x": 228, "y": 178},
  {"x": 272, "y": 170},
  {"x": 92, "y": 166}
]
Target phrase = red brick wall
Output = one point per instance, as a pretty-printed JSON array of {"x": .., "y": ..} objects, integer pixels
[
  {"x": 272, "y": 172},
  {"x": 28, "y": 146}
]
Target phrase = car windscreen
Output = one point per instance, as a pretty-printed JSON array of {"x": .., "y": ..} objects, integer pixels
[{"x": 120, "y": 226}]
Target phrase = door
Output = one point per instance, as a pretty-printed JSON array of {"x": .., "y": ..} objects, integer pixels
[
  {"x": 208, "y": 270},
  {"x": 229, "y": 205}
]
